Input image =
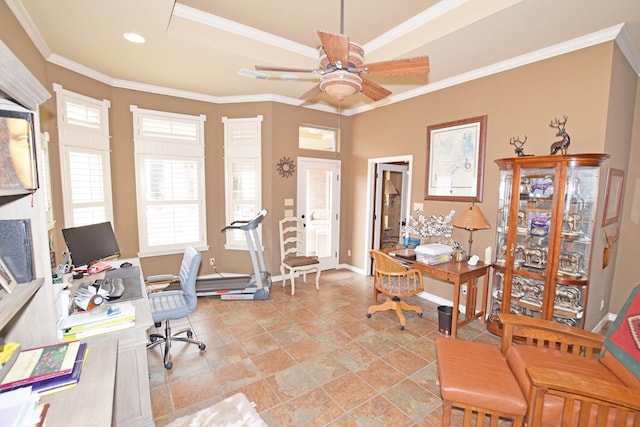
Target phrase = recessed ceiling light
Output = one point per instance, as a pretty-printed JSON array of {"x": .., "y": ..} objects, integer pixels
[{"x": 134, "y": 38}]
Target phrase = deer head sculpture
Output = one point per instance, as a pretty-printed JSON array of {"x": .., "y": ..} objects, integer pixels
[{"x": 519, "y": 144}]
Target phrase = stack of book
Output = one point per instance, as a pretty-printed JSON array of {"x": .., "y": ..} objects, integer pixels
[
  {"x": 46, "y": 369},
  {"x": 101, "y": 320}
]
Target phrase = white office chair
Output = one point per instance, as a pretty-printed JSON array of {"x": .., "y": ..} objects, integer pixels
[
  {"x": 176, "y": 304},
  {"x": 293, "y": 253}
]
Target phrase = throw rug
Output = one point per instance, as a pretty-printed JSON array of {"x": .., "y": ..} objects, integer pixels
[
  {"x": 623, "y": 339},
  {"x": 234, "y": 411}
]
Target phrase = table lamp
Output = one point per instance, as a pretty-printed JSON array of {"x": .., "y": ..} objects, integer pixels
[{"x": 471, "y": 219}]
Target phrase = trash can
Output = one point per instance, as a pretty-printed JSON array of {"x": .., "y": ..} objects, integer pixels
[{"x": 444, "y": 319}]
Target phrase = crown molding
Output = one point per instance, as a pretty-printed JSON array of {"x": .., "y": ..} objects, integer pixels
[
  {"x": 18, "y": 10},
  {"x": 233, "y": 27},
  {"x": 17, "y": 82},
  {"x": 598, "y": 37},
  {"x": 629, "y": 49},
  {"x": 619, "y": 33}
]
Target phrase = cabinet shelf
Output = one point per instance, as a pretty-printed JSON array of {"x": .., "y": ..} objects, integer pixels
[
  {"x": 11, "y": 304},
  {"x": 544, "y": 239}
]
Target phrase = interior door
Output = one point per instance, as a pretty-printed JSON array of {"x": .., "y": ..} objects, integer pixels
[
  {"x": 390, "y": 195},
  {"x": 319, "y": 206}
]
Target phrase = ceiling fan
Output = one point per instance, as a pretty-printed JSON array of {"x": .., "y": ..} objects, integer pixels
[{"x": 342, "y": 68}]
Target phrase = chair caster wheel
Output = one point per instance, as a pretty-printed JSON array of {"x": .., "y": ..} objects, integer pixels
[
  {"x": 168, "y": 365},
  {"x": 202, "y": 346},
  {"x": 401, "y": 328},
  {"x": 368, "y": 315},
  {"x": 420, "y": 314},
  {"x": 189, "y": 334},
  {"x": 153, "y": 338}
]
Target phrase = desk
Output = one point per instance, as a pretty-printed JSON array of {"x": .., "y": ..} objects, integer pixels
[
  {"x": 458, "y": 273},
  {"x": 132, "y": 399},
  {"x": 91, "y": 401}
]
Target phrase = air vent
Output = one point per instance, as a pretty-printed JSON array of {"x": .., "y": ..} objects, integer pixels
[{"x": 253, "y": 74}]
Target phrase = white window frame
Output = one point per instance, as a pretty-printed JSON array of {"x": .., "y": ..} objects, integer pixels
[
  {"x": 178, "y": 137},
  {"x": 242, "y": 146},
  {"x": 87, "y": 136},
  {"x": 46, "y": 181}
]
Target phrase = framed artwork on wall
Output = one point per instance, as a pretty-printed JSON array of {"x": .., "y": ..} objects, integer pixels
[
  {"x": 455, "y": 160},
  {"x": 18, "y": 171},
  {"x": 613, "y": 196}
]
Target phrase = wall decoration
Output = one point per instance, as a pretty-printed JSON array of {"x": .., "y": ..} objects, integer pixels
[
  {"x": 286, "y": 167},
  {"x": 519, "y": 146},
  {"x": 563, "y": 144},
  {"x": 613, "y": 196},
  {"x": 6, "y": 278},
  {"x": 455, "y": 160},
  {"x": 611, "y": 241},
  {"x": 18, "y": 173}
]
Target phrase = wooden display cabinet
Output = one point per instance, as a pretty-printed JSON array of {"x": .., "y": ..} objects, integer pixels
[{"x": 546, "y": 217}]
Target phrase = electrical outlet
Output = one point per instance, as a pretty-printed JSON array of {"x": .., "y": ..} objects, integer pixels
[
  {"x": 601, "y": 304},
  {"x": 212, "y": 262}
]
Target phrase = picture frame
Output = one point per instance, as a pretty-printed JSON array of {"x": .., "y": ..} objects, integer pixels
[
  {"x": 613, "y": 196},
  {"x": 18, "y": 165},
  {"x": 454, "y": 169},
  {"x": 7, "y": 281}
]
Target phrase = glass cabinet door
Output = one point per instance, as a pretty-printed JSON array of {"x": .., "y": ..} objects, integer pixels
[{"x": 578, "y": 221}]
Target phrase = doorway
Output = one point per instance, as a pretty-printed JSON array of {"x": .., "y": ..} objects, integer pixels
[
  {"x": 388, "y": 203},
  {"x": 319, "y": 206},
  {"x": 391, "y": 180}
]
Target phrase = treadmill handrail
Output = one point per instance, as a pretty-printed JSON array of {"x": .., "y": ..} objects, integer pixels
[{"x": 248, "y": 224}]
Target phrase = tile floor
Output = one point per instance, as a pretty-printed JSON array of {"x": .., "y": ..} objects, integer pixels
[{"x": 313, "y": 359}]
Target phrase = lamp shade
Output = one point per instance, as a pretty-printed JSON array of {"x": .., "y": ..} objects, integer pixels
[
  {"x": 341, "y": 84},
  {"x": 471, "y": 219}
]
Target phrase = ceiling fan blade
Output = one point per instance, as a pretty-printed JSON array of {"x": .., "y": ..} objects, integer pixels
[
  {"x": 336, "y": 46},
  {"x": 398, "y": 67},
  {"x": 284, "y": 69},
  {"x": 311, "y": 93},
  {"x": 373, "y": 90}
]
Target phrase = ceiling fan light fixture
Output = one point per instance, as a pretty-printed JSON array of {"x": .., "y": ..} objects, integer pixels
[{"x": 341, "y": 84}]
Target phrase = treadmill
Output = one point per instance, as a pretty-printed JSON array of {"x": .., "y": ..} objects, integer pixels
[{"x": 255, "y": 286}]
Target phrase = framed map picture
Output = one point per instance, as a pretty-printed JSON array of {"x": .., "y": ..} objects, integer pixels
[{"x": 455, "y": 160}]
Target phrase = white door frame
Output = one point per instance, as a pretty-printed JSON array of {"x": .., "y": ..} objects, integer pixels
[
  {"x": 371, "y": 181},
  {"x": 382, "y": 167}
]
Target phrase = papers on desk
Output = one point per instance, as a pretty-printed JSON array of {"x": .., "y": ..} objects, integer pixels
[
  {"x": 20, "y": 407},
  {"x": 101, "y": 320}
]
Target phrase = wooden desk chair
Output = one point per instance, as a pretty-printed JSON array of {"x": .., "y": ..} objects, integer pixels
[
  {"x": 395, "y": 280},
  {"x": 294, "y": 258}
]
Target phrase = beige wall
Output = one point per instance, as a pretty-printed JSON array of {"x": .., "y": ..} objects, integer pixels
[
  {"x": 594, "y": 87},
  {"x": 518, "y": 102}
]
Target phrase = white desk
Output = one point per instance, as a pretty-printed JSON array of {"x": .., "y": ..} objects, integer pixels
[
  {"x": 132, "y": 399},
  {"x": 91, "y": 401}
]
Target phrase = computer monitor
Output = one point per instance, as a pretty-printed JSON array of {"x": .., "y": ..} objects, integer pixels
[{"x": 91, "y": 243}]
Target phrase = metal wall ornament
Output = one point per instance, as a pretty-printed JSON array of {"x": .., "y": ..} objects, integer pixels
[{"x": 285, "y": 167}]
